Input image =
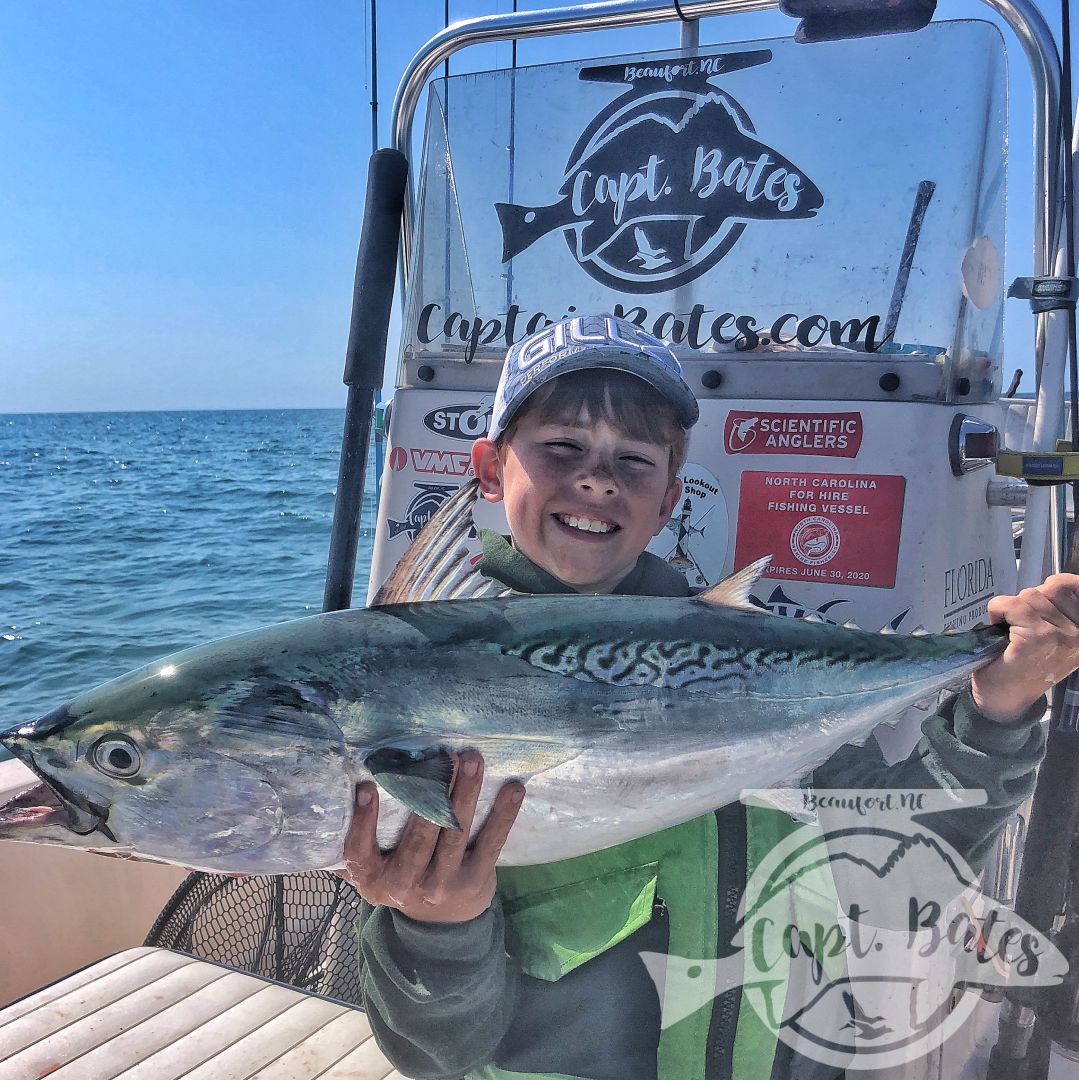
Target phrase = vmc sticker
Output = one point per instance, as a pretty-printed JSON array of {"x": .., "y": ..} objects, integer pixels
[{"x": 830, "y": 527}]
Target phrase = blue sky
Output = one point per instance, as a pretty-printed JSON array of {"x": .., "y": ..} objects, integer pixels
[{"x": 181, "y": 190}]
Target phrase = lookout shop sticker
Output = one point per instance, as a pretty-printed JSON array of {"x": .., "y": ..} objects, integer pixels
[
  {"x": 822, "y": 526},
  {"x": 694, "y": 541}
]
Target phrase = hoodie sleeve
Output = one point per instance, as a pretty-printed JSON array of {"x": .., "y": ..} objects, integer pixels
[
  {"x": 959, "y": 749},
  {"x": 439, "y": 996}
]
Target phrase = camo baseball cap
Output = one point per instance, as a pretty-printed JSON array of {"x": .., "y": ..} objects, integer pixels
[{"x": 589, "y": 341}]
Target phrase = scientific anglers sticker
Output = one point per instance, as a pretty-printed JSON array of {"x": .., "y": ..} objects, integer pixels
[
  {"x": 829, "y": 527},
  {"x": 694, "y": 541},
  {"x": 805, "y": 434},
  {"x": 664, "y": 180}
]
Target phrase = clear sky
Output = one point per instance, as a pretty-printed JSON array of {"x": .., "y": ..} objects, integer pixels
[{"x": 181, "y": 189}]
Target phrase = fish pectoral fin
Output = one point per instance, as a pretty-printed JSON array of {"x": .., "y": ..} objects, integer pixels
[
  {"x": 420, "y": 781},
  {"x": 733, "y": 591}
]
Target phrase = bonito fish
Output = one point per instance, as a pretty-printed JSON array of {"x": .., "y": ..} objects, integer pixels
[{"x": 623, "y": 715}]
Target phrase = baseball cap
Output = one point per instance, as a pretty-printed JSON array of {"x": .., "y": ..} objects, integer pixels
[{"x": 589, "y": 341}]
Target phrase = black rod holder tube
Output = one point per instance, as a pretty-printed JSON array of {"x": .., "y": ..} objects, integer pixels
[{"x": 365, "y": 359}]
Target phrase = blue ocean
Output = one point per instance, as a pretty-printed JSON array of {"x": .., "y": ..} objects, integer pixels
[{"x": 125, "y": 536}]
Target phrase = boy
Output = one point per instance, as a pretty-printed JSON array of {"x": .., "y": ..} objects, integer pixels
[{"x": 535, "y": 971}]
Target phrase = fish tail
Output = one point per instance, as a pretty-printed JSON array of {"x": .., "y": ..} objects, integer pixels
[
  {"x": 979, "y": 646},
  {"x": 522, "y": 226},
  {"x": 814, "y": 199},
  {"x": 990, "y": 639},
  {"x": 398, "y": 527}
]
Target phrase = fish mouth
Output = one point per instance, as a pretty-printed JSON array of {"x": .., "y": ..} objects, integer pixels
[
  {"x": 84, "y": 816},
  {"x": 38, "y": 805}
]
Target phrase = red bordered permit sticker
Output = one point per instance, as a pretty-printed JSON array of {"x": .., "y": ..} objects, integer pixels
[{"x": 830, "y": 527}]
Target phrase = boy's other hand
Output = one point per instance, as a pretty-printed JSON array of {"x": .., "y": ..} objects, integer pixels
[
  {"x": 434, "y": 874},
  {"x": 1043, "y": 648}
]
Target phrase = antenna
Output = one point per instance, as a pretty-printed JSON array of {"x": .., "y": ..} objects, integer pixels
[{"x": 374, "y": 76}]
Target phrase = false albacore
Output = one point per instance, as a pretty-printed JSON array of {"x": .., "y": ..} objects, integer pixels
[{"x": 622, "y": 714}]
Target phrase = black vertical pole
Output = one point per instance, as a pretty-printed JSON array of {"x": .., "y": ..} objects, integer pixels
[
  {"x": 374, "y": 77},
  {"x": 365, "y": 358}
]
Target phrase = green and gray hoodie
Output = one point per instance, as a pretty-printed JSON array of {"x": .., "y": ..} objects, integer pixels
[{"x": 549, "y": 983}]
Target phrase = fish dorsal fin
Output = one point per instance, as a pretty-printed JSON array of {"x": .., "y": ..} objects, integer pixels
[
  {"x": 919, "y": 631},
  {"x": 850, "y": 624},
  {"x": 813, "y": 617},
  {"x": 438, "y": 564},
  {"x": 733, "y": 591},
  {"x": 888, "y": 630}
]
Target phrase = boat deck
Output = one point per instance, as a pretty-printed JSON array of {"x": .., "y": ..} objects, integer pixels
[{"x": 154, "y": 1014}]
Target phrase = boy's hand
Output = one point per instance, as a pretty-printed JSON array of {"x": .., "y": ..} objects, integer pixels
[
  {"x": 1042, "y": 651},
  {"x": 433, "y": 875}
]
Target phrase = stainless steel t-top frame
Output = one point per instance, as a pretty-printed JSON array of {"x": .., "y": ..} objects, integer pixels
[{"x": 1023, "y": 17}]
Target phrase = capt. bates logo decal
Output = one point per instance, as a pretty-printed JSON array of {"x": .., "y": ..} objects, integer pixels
[{"x": 662, "y": 182}]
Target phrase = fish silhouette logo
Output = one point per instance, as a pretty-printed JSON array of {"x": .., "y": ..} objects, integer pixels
[
  {"x": 742, "y": 433},
  {"x": 662, "y": 183},
  {"x": 420, "y": 510}
]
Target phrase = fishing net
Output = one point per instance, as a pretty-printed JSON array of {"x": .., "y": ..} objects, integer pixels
[{"x": 298, "y": 929}]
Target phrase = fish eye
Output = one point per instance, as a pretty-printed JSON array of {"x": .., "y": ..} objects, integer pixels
[{"x": 116, "y": 755}]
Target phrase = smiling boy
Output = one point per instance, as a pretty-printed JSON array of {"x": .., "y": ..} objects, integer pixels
[
  {"x": 587, "y": 533},
  {"x": 536, "y": 971},
  {"x": 588, "y": 431}
]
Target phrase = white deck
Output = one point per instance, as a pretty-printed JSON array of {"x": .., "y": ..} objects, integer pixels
[{"x": 152, "y": 1014}]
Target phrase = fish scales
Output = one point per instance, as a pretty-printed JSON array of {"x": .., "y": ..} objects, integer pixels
[{"x": 217, "y": 757}]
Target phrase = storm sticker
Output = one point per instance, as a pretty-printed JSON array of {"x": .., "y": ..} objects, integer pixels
[
  {"x": 467, "y": 422},
  {"x": 663, "y": 181}
]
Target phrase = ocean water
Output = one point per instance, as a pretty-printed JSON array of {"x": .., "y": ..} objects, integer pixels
[{"x": 126, "y": 536}]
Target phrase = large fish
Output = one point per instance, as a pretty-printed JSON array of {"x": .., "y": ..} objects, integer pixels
[{"x": 622, "y": 714}]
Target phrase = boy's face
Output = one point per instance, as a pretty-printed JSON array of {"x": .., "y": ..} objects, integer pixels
[{"x": 582, "y": 499}]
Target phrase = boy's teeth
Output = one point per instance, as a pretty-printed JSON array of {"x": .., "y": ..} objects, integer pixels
[{"x": 584, "y": 524}]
